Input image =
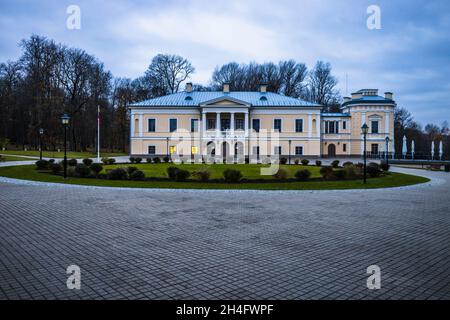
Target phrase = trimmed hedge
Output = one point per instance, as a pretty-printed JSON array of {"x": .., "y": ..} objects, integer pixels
[
  {"x": 137, "y": 175},
  {"x": 232, "y": 175},
  {"x": 303, "y": 175},
  {"x": 318, "y": 163},
  {"x": 96, "y": 168},
  {"x": 281, "y": 174},
  {"x": 87, "y": 162},
  {"x": 202, "y": 174},
  {"x": 305, "y": 162},
  {"x": 42, "y": 164},
  {"x": 117, "y": 174},
  {"x": 82, "y": 170}
]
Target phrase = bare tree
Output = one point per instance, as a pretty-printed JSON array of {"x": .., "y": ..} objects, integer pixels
[
  {"x": 322, "y": 84},
  {"x": 166, "y": 72}
]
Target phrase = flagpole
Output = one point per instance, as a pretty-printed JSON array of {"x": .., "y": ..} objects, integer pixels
[{"x": 98, "y": 133}]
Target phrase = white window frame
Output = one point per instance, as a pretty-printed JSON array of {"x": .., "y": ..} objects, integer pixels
[
  {"x": 295, "y": 125},
  {"x": 190, "y": 125},
  {"x": 168, "y": 124},
  {"x": 148, "y": 147},
  {"x": 281, "y": 124},
  {"x": 259, "y": 119},
  {"x": 295, "y": 150},
  {"x": 148, "y": 124}
]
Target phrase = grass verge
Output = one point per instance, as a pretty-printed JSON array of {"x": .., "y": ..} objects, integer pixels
[{"x": 390, "y": 180}]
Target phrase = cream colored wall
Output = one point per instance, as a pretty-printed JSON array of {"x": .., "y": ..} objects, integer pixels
[{"x": 287, "y": 123}]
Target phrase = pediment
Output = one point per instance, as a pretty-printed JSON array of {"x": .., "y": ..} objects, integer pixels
[{"x": 225, "y": 100}]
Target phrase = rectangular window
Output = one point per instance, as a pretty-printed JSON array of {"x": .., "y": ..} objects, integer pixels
[
  {"x": 374, "y": 148},
  {"x": 277, "y": 125},
  {"x": 299, "y": 150},
  {"x": 194, "y": 150},
  {"x": 374, "y": 126},
  {"x": 336, "y": 126},
  {"x": 277, "y": 150},
  {"x": 331, "y": 126},
  {"x": 151, "y": 125},
  {"x": 344, "y": 125},
  {"x": 256, "y": 124},
  {"x": 299, "y": 125},
  {"x": 239, "y": 124},
  {"x": 344, "y": 147},
  {"x": 211, "y": 124},
  {"x": 194, "y": 125},
  {"x": 173, "y": 125},
  {"x": 151, "y": 150},
  {"x": 173, "y": 149},
  {"x": 224, "y": 124}
]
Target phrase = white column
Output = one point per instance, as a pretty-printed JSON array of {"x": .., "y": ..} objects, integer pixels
[
  {"x": 203, "y": 123},
  {"x": 141, "y": 125},
  {"x": 318, "y": 125},
  {"x": 246, "y": 122},
  {"x": 217, "y": 124},
  {"x": 309, "y": 125},
  {"x": 132, "y": 124},
  {"x": 232, "y": 122},
  {"x": 386, "y": 123}
]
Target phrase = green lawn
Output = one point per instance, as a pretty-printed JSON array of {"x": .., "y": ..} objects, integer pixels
[
  {"x": 56, "y": 154},
  {"x": 249, "y": 171},
  {"x": 390, "y": 180},
  {"x": 13, "y": 158}
]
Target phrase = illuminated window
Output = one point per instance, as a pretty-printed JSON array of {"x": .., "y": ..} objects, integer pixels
[
  {"x": 173, "y": 149},
  {"x": 194, "y": 150}
]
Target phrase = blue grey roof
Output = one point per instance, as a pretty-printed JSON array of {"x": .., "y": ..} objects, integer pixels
[
  {"x": 369, "y": 99},
  {"x": 335, "y": 114},
  {"x": 200, "y": 97}
]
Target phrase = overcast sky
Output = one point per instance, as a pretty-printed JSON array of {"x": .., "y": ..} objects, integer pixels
[{"x": 409, "y": 55}]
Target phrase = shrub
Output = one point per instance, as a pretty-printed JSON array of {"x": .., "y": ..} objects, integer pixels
[
  {"x": 385, "y": 167},
  {"x": 303, "y": 175},
  {"x": 42, "y": 164},
  {"x": 335, "y": 163},
  {"x": 202, "y": 174},
  {"x": 96, "y": 168},
  {"x": 305, "y": 162},
  {"x": 138, "y": 160},
  {"x": 87, "y": 162},
  {"x": 158, "y": 160},
  {"x": 339, "y": 174},
  {"x": 51, "y": 161},
  {"x": 2, "y": 158},
  {"x": 283, "y": 161},
  {"x": 137, "y": 175},
  {"x": 130, "y": 170},
  {"x": 72, "y": 162},
  {"x": 82, "y": 170},
  {"x": 232, "y": 175},
  {"x": 117, "y": 174},
  {"x": 373, "y": 169},
  {"x": 166, "y": 159},
  {"x": 326, "y": 172},
  {"x": 56, "y": 168},
  {"x": 318, "y": 163},
  {"x": 71, "y": 172},
  {"x": 149, "y": 160},
  {"x": 281, "y": 174},
  {"x": 108, "y": 160},
  {"x": 182, "y": 174},
  {"x": 348, "y": 163},
  {"x": 296, "y": 161},
  {"x": 172, "y": 172},
  {"x": 350, "y": 172},
  {"x": 132, "y": 159}
]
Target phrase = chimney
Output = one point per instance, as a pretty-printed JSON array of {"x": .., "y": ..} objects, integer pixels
[
  {"x": 263, "y": 87},
  {"x": 388, "y": 95},
  {"x": 356, "y": 95},
  {"x": 189, "y": 87},
  {"x": 226, "y": 87},
  {"x": 347, "y": 99}
]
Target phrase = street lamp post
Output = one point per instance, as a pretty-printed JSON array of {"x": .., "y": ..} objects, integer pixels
[
  {"x": 167, "y": 146},
  {"x": 387, "y": 150},
  {"x": 365, "y": 130},
  {"x": 290, "y": 151},
  {"x": 41, "y": 132},
  {"x": 65, "y": 121}
]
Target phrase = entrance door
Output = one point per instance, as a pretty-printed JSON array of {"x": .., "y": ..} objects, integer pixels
[{"x": 331, "y": 150}]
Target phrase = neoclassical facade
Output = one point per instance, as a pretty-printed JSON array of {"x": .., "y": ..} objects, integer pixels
[{"x": 237, "y": 125}]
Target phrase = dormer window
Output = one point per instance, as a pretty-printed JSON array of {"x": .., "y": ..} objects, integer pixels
[
  {"x": 188, "y": 98},
  {"x": 263, "y": 98}
]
